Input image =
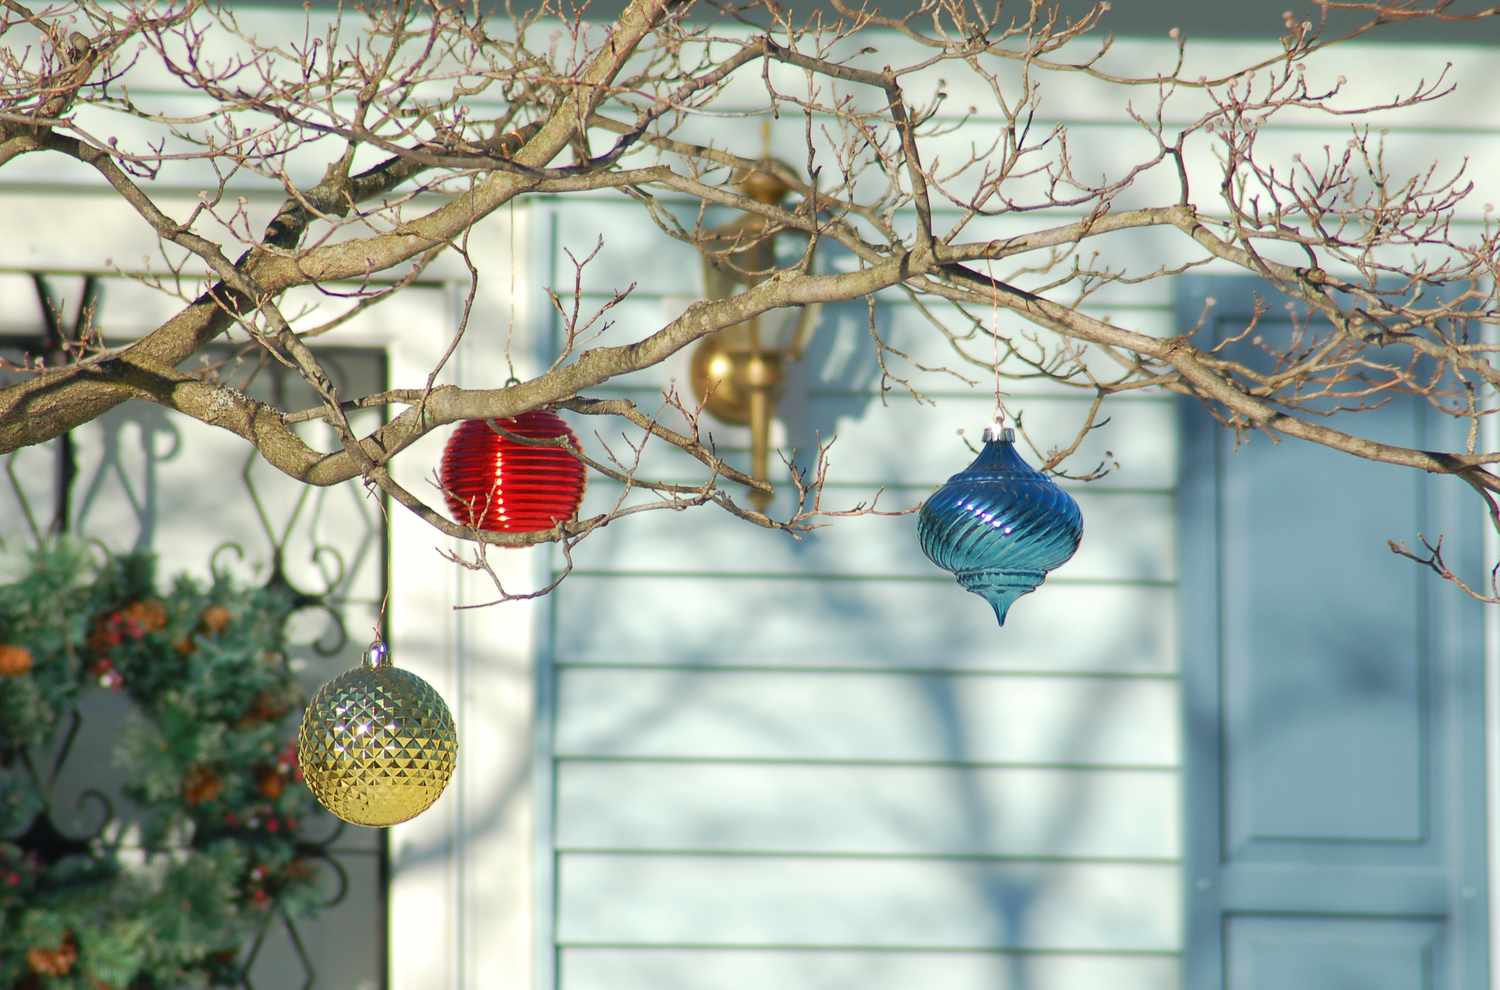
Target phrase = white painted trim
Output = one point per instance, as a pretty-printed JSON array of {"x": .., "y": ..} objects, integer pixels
[
  {"x": 426, "y": 865},
  {"x": 1490, "y": 436},
  {"x": 468, "y": 922},
  {"x": 540, "y": 322}
]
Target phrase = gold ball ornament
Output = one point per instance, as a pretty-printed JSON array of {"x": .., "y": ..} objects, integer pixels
[{"x": 377, "y": 743}]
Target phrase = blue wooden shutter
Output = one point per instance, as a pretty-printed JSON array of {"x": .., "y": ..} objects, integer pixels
[{"x": 1335, "y": 787}]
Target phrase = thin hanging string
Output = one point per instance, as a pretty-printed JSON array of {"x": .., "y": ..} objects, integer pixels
[
  {"x": 378, "y": 628},
  {"x": 510, "y": 323},
  {"x": 997, "y": 421}
]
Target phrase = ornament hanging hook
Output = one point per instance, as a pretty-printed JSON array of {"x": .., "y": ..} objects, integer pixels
[
  {"x": 997, "y": 422},
  {"x": 996, "y": 430},
  {"x": 377, "y": 628},
  {"x": 510, "y": 320}
]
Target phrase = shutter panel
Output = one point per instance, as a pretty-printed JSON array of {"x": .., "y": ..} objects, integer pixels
[{"x": 1334, "y": 703}]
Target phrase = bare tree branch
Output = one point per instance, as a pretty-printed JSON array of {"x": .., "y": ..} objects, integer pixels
[{"x": 391, "y": 133}]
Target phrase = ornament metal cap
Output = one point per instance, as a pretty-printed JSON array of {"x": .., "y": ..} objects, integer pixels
[
  {"x": 377, "y": 655},
  {"x": 998, "y": 431},
  {"x": 999, "y": 525}
]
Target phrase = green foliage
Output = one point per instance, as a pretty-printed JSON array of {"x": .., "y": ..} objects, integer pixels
[
  {"x": 47, "y": 613},
  {"x": 207, "y": 756}
]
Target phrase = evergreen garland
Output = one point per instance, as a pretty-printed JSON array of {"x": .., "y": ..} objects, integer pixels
[{"x": 208, "y": 757}]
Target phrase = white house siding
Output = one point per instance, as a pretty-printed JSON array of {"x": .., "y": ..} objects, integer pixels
[{"x": 820, "y": 763}]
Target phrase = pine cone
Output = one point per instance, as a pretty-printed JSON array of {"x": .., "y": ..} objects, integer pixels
[
  {"x": 149, "y": 614},
  {"x": 266, "y": 707},
  {"x": 53, "y": 962},
  {"x": 214, "y": 619},
  {"x": 105, "y": 635},
  {"x": 201, "y": 784},
  {"x": 14, "y": 660},
  {"x": 269, "y": 783}
]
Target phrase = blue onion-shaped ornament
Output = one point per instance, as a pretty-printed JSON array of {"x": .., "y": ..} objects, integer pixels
[{"x": 999, "y": 525}]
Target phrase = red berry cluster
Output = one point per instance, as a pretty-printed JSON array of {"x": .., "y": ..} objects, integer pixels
[
  {"x": 19, "y": 870},
  {"x": 46, "y": 960},
  {"x": 265, "y": 880},
  {"x": 127, "y": 625}
]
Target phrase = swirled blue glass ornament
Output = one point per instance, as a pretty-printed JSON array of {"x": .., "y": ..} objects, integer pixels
[{"x": 999, "y": 525}]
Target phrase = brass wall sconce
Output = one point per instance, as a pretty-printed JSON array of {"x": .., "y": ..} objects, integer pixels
[{"x": 738, "y": 372}]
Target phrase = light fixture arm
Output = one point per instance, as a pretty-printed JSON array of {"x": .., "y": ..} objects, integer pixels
[{"x": 738, "y": 371}]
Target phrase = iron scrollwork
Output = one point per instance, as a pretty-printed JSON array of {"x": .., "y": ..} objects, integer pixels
[{"x": 91, "y": 821}]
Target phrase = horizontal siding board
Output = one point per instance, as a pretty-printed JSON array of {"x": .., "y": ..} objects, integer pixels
[
  {"x": 867, "y": 810},
  {"x": 676, "y": 269},
  {"x": 128, "y": 308},
  {"x": 1107, "y": 154},
  {"x": 740, "y": 969},
  {"x": 605, "y": 712},
  {"x": 1104, "y": 145},
  {"x": 1084, "y": 98},
  {"x": 188, "y": 165},
  {"x": 676, "y": 281},
  {"x": 634, "y": 619},
  {"x": 769, "y": 901},
  {"x": 1139, "y": 550},
  {"x": 617, "y": 230},
  {"x": 904, "y": 441},
  {"x": 665, "y": 291},
  {"x": 88, "y": 227},
  {"x": 841, "y": 355},
  {"x": 1088, "y": 103},
  {"x": 908, "y": 443},
  {"x": 1088, "y": 100},
  {"x": 20, "y": 309}
]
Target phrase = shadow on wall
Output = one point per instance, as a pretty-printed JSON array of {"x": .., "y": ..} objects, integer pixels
[
  {"x": 767, "y": 702},
  {"x": 962, "y": 843}
]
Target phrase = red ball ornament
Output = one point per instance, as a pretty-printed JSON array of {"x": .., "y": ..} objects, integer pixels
[{"x": 497, "y": 483}]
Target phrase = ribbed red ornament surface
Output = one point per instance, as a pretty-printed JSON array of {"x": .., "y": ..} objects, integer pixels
[{"x": 496, "y": 483}]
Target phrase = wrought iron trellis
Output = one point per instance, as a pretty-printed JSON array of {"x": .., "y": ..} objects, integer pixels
[{"x": 53, "y": 834}]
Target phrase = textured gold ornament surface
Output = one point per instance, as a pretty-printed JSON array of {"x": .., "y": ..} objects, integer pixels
[{"x": 377, "y": 744}]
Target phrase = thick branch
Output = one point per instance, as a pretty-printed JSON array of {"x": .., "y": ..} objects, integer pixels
[
  {"x": 1208, "y": 383},
  {"x": 55, "y": 401},
  {"x": 283, "y": 449}
]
